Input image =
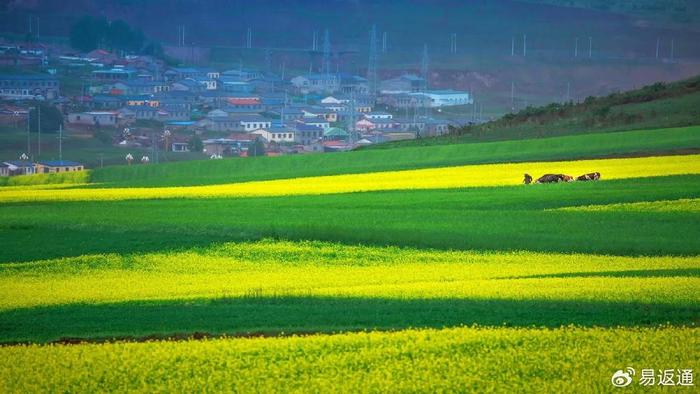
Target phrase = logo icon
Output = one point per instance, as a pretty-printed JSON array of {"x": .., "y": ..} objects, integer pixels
[{"x": 622, "y": 378}]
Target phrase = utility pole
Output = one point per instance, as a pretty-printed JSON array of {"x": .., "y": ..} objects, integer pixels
[
  {"x": 249, "y": 41},
  {"x": 568, "y": 92},
  {"x": 672, "y": 50},
  {"x": 590, "y": 47},
  {"x": 453, "y": 43},
  {"x": 576, "y": 47},
  {"x": 512, "y": 46},
  {"x": 60, "y": 142},
  {"x": 384, "y": 48},
  {"x": 512, "y": 96},
  {"x": 29, "y": 138},
  {"x": 38, "y": 130},
  {"x": 314, "y": 42},
  {"x": 658, "y": 45},
  {"x": 524, "y": 44}
]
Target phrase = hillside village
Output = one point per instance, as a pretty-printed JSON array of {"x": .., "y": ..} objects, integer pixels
[{"x": 140, "y": 102}]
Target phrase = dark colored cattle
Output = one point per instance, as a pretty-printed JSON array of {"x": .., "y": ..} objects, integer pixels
[
  {"x": 528, "y": 179},
  {"x": 593, "y": 176},
  {"x": 554, "y": 178}
]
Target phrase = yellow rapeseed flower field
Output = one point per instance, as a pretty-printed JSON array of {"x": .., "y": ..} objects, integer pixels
[
  {"x": 319, "y": 269},
  {"x": 431, "y": 178},
  {"x": 465, "y": 359}
]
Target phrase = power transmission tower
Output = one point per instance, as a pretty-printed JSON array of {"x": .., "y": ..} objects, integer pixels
[
  {"x": 576, "y": 47},
  {"x": 326, "y": 52},
  {"x": 384, "y": 47},
  {"x": 249, "y": 38},
  {"x": 424, "y": 70},
  {"x": 672, "y": 49},
  {"x": 372, "y": 65},
  {"x": 453, "y": 43},
  {"x": 590, "y": 47},
  {"x": 314, "y": 42},
  {"x": 352, "y": 118},
  {"x": 524, "y": 44},
  {"x": 268, "y": 61},
  {"x": 658, "y": 45}
]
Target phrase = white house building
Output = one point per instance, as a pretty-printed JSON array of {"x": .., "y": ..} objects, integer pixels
[{"x": 446, "y": 98}]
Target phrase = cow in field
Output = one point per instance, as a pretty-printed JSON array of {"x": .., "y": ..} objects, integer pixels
[
  {"x": 528, "y": 179},
  {"x": 593, "y": 176},
  {"x": 554, "y": 178}
]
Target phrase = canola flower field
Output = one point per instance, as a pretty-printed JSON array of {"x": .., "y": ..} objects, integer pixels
[
  {"x": 346, "y": 287},
  {"x": 433, "y": 178},
  {"x": 448, "y": 360},
  {"x": 441, "y": 279}
]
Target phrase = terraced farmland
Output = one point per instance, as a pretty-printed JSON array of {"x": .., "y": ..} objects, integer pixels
[{"x": 449, "y": 278}]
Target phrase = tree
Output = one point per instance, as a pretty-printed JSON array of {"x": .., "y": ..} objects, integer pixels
[
  {"x": 90, "y": 33},
  {"x": 87, "y": 33},
  {"x": 51, "y": 118},
  {"x": 257, "y": 148},
  {"x": 195, "y": 144}
]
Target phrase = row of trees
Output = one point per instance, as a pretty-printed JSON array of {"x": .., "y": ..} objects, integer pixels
[{"x": 90, "y": 33}]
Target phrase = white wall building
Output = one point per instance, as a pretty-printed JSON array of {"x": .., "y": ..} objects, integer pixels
[{"x": 446, "y": 98}]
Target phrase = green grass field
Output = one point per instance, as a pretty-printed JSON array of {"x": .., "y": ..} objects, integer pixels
[
  {"x": 237, "y": 170},
  {"x": 439, "y": 281}
]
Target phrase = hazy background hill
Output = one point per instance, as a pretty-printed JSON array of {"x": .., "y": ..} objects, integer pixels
[{"x": 622, "y": 38}]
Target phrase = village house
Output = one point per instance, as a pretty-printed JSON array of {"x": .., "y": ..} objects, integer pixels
[
  {"x": 316, "y": 83},
  {"x": 103, "y": 101},
  {"x": 140, "y": 86},
  {"x": 178, "y": 73},
  {"x": 407, "y": 83},
  {"x": 318, "y": 121},
  {"x": 234, "y": 85},
  {"x": 379, "y": 124},
  {"x": 220, "y": 146},
  {"x": 19, "y": 167},
  {"x": 254, "y": 122},
  {"x": 245, "y": 105},
  {"x": 306, "y": 134},
  {"x": 94, "y": 118},
  {"x": 446, "y": 98},
  {"x": 276, "y": 133},
  {"x": 114, "y": 74},
  {"x": 378, "y": 115},
  {"x": 242, "y": 74},
  {"x": 50, "y": 167},
  {"x": 29, "y": 86}
]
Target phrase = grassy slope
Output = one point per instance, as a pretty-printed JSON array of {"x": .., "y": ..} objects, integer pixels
[
  {"x": 240, "y": 170},
  {"x": 497, "y": 218},
  {"x": 660, "y": 105}
]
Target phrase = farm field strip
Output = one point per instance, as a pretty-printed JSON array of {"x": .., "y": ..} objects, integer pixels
[
  {"x": 684, "y": 205},
  {"x": 432, "y": 178},
  {"x": 429, "y": 360},
  {"x": 278, "y": 269},
  {"x": 486, "y": 218},
  {"x": 207, "y": 172},
  {"x": 274, "y": 286}
]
